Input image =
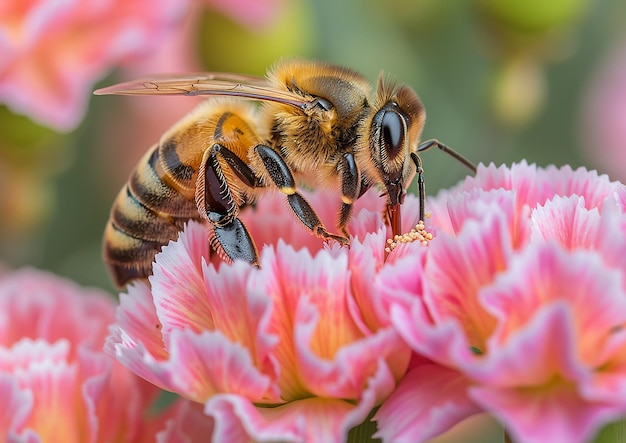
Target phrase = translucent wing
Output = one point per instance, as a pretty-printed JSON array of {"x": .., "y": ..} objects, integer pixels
[{"x": 211, "y": 84}]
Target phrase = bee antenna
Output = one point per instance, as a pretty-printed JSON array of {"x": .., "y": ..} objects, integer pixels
[{"x": 425, "y": 146}]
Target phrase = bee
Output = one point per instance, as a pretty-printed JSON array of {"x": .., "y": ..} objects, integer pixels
[{"x": 314, "y": 123}]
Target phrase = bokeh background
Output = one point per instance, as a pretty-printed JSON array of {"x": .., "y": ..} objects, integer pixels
[{"x": 502, "y": 81}]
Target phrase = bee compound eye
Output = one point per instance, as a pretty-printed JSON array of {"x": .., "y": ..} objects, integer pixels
[{"x": 392, "y": 132}]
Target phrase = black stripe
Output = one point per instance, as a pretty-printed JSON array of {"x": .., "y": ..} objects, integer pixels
[
  {"x": 218, "y": 127},
  {"x": 172, "y": 162},
  {"x": 151, "y": 191}
]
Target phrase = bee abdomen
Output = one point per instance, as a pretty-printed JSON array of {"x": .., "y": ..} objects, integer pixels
[
  {"x": 128, "y": 257},
  {"x": 146, "y": 215}
]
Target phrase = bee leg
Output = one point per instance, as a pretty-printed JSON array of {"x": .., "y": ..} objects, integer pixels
[
  {"x": 233, "y": 240},
  {"x": 215, "y": 202},
  {"x": 350, "y": 190},
  {"x": 238, "y": 166},
  {"x": 282, "y": 177}
]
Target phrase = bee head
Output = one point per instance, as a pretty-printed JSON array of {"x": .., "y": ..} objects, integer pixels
[{"x": 390, "y": 135}]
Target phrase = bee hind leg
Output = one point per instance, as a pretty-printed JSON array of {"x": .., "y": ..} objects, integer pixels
[
  {"x": 233, "y": 242},
  {"x": 230, "y": 238}
]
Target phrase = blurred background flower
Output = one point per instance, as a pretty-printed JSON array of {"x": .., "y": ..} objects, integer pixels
[
  {"x": 56, "y": 380},
  {"x": 54, "y": 51}
]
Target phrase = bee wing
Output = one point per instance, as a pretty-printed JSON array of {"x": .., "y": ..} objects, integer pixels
[{"x": 211, "y": 84}]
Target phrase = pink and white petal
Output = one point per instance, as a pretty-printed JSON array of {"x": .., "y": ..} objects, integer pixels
[
  {"x": 567, "y": 221},
  {"x": 115, "y": 400},
  {"x": 137, "y": 321},
  {"x": 347, "y": 374},
  {"x": 558, "y": 415},
  {"x": 400, "y": 282},
  {"x": 366, "y": 223},
  {"x": 28, "y": 436},
  {"x": 133, "y": 354},
  {"x": 38, "y": 304},
  {"x": 191, "y": 369},
  {"x": 429, "y": 400},
  {"x": 608, "y": 387},
  {"x": 292, "y": 279},
  {"x": 95, "y": 371},
  {"x": 545, "y": 348},
  {"x": 444, "y": 343},
  {"x": 241, "y": 313},
  {"x": 454, "y": 279},
  {"x": 27, "y": 352},
  {"x": 56, "y": 412},
  {"x": 366, "y": 260},
  {"x": 612, "y": 236},
  {"x": 178, "y": 285},
  {"x": 474, "y": 204},
  {"x": 593, "y": 187},
  {"x": 546, "y": 273},
  {"x": 370, "y": 309},
  {"x": 520, "y": 177},
  {"x": 16, "y": 406},
  {"x": 202, "y": 365},
  {"x": 532, "y": 385},
  {"x": 311, "y": 420}
]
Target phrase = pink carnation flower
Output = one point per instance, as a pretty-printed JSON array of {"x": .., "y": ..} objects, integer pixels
[
  {"x": 521, "y": 296},
  {"x": 56, "y": 384},
  {"x": 300, "y": 349},
  {"x": 53, "y": 51}
]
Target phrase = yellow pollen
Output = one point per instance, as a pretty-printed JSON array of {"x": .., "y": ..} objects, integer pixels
[{"x": 418, "y": 233}]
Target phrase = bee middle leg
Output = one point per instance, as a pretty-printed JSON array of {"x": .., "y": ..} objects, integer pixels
[
  {"x": 350, "y": 190},
  {"x": 216, "y": 204},
  {"x": 282, "y": 177}
]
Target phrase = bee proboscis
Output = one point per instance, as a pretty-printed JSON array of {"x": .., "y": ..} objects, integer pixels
[{"x": 316, "y": 123}]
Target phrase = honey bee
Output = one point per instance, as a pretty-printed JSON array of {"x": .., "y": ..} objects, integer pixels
[{"x": 315, "y": 123}]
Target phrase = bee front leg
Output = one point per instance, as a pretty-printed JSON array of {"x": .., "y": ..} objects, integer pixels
[
  {"x": 282, "y": 177},
  {"x": 231, "y": 239}
]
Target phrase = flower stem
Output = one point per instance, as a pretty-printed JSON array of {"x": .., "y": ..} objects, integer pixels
[
  {"x": 507, "y": 437},
  {"x": 364, "y": 431}
]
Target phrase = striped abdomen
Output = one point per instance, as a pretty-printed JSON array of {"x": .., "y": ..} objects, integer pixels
[{"x": 148, "y": 212}]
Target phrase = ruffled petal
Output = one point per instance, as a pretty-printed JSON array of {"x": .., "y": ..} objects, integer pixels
[
  {"x": 532, "y": 385},
  {"x": 16, "y": 406},
  {"x": 177, "y": 282},
  {"x": 429, "y": 400},
  {"x": 567, "y": 221},
  {"x": 204, "y": 364},
  {"x": 311, "y": 420}
]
